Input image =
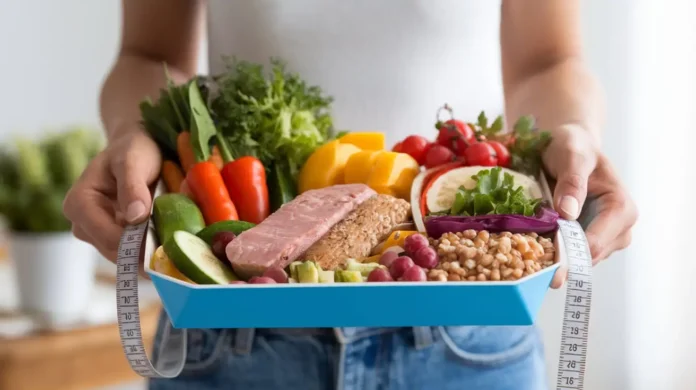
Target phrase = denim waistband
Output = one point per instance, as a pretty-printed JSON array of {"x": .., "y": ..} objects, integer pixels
[{"x": 244, "y": 338}]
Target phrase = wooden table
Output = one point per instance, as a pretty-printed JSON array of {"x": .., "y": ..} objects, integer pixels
[{"x": 71, "y": 360}]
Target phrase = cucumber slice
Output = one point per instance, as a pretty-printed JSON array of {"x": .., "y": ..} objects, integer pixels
[
  {"x": 194, "y": 258},
  {"x": 236, "y": 227}
]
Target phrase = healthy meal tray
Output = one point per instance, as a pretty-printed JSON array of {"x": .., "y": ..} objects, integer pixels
[{"x": 267, "y": 217}]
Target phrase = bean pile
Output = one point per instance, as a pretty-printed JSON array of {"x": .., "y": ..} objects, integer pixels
[{"x": 483, "y": 256}]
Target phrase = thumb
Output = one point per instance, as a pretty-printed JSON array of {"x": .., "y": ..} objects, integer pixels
[
  {"x": 134, "y": 170},
  {"x": 571, "y": 184}
]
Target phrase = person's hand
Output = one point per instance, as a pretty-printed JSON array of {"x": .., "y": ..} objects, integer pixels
[
  {"x": 580, "y": 169},
  {"x": 113, "y": 190}
]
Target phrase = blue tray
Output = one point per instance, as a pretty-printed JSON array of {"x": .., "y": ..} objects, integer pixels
[{"x": 352, "y": 305}]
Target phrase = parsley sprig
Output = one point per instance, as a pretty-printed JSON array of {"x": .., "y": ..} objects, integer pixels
[{"x": 493, "y": 196}]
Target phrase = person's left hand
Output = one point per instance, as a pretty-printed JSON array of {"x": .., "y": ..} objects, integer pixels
[{"x": 580, "y": 168}]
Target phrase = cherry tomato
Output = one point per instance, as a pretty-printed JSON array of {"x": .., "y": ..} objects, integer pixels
[
  {"x": 501, "y": 152},
  {"x": 438, "y": 155},
  {"x": 481, "y": 153},
  {"x": 455, "y": 135},
  {"x": 397, "y": 147},
  {"x": 415, "y": 146}
]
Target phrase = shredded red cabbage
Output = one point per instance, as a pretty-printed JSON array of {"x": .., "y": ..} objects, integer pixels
[{"x": 544, "y": 221}]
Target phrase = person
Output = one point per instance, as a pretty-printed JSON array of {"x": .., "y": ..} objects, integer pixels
[{"x": 389, "y": 64}]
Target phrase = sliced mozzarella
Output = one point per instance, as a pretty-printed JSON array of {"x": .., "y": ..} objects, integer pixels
[{"x": 441, "y": 194}]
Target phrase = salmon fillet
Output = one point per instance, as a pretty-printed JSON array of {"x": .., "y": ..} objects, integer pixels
[
  {"x": 364, "y": 228},
  {"x": 286, "y": 234}
]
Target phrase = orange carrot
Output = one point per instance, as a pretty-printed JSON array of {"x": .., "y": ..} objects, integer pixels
[
  {"x": 172, "y": 176},
  {"x": 185, "y": 151},
  {"x": 216, "y": 157}
]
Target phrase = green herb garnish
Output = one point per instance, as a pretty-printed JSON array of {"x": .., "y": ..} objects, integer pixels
[
  {"x": 275, "y": 116},
  {"x": 493, "y": 196}
]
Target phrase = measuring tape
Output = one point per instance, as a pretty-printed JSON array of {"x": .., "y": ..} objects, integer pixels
[
  {"x": 172, "y": 354},
  {"x": 576, "y": 315}
]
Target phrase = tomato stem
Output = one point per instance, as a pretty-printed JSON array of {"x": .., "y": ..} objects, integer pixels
[{"x": 447, "y": 108}]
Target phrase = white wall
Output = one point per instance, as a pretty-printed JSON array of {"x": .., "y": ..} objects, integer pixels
[{"x": 53, "y": 55}]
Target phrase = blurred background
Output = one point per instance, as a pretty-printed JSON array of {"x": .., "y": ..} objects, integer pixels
[{"x": 54, "y": 55}]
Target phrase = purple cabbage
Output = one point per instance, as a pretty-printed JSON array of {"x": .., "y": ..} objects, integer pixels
[{"x": 544, "y": 221}]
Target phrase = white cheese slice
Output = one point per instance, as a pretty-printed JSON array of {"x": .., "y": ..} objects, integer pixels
[{"x": 441, "y": 194}]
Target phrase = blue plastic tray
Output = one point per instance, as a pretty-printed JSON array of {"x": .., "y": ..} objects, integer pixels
[{"x": 352, "y": 305}]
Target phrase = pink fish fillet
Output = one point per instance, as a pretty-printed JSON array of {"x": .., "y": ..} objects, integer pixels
[{"x": 286, "y": 234}]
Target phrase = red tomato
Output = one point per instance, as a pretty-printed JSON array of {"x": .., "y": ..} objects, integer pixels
[
  {"x": 456, "y": 135},
  {"x": 501, "y": 152},
  {"x": 415, "y": 146},
  {"x": 397, "y": 147},
  {"x": 438, "y": 155},
  {"x": 481, "y": 153}
]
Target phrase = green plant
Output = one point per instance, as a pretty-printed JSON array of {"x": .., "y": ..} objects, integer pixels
[{"x": 35, "y": 175}]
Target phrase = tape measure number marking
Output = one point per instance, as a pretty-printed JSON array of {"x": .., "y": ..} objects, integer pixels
[
  {"x": 172, "y": 355},
  {"x": 576, "y": 315}
]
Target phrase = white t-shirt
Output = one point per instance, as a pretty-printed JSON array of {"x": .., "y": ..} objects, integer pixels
[{"x": 389, "y": 64}]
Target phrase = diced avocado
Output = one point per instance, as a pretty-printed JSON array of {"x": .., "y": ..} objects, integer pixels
[
  {"x": 326, "y": 276},
  {"x": 363, "y": 268},
  {"x": 307, "y": 273},
  {"x": 236, "y": 227},
  {"x": 172, "y": 212},
  {"x": 292, "y": 268},
  {"x": 344, "y": 276}
]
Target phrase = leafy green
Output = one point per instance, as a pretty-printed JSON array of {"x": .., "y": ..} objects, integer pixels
[
  {"x": 529, "y": 144},
  {"x": 493, "y": 196},
  {"x": 202, "y": 126},
  {"x": 275, "y": 116}
]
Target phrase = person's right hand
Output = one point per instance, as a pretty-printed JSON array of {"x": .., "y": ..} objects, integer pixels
[{"x": 114, "y": 190}]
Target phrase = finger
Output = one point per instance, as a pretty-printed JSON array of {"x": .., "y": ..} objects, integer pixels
[
  {"x": 133, "y": 170},
  {"x": 571, "y": 184},
  {"x": 610, "y": 224},
  {"x": 81, "y": 235},
  {"x": 622, "y": 242},
  {"x": 559, "y": 277}
]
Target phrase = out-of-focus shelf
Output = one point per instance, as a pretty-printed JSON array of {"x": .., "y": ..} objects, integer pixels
[{"x": 71, "y": 360}]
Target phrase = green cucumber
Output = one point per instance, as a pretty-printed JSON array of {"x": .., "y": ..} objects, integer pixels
[
  {"x": 236, "y": 227},
  {"x": 172, "y": 212},
  {"x": 194, "y": 258}
]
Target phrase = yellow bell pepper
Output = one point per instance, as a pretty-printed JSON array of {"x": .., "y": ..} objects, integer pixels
[
  {"x": 393, "y": 173},
  {"x": 161, "y": 263},
  {"x": 365, "y": 140},
  {"x": 397, "y": 238},
  {"x": 360, "y": 165},
  {"x": 325, "y": 167}
]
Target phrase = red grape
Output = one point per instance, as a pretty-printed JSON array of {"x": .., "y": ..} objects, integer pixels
[
  {"x": 238, "y": 282},
  {"x": 438, "y": 155},
  {"x": 414, "y": 242},
  {"x": 426, "y": 257},
  {"x": 220, "y": 241},
  {"x": 414, "y": 274},
  {"x": 399, "y": 266},
  {"x": 261, "y": 280},
  {"x": 379, "y": 275},
  {"x": 276, "y": 273},
  {"x": 388, "y": 258}
]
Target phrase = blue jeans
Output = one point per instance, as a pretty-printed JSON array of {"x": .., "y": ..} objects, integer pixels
[{"x": 438, "y": 358}]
